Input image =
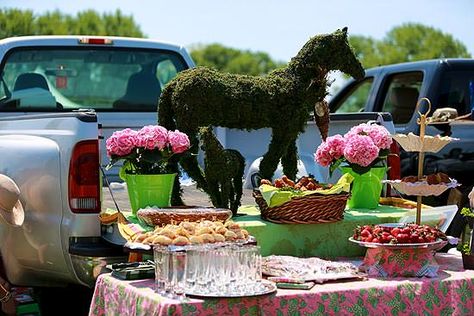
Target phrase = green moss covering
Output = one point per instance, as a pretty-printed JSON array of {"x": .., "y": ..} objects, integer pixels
[
  {"x": 223, "y": 172},
  {"x": 282, "y": 100}
]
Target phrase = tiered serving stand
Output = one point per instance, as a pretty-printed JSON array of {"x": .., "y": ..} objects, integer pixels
[
  {"x": 421, "y": 144},
  {"x": 378, "y": 256}
]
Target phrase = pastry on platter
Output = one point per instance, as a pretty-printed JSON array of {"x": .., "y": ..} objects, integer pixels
[
  {"x": 187, "y": 233},
  {"x": 433, "y": 184},
  {"x": 436, "y": 178}
]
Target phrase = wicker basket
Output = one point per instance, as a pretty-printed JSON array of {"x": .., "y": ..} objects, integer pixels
[
  {"x": 177, "y": 214},
  {"x": 310, "y": 209}
]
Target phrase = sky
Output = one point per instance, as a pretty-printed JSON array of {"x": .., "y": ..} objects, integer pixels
[{"x": 277, "y": 27}]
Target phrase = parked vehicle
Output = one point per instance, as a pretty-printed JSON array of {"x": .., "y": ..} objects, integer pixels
[
  {"x": 397, "y": 88},
  {"x": 53, "y": 147},
  {"x": 120, "y": 78}
]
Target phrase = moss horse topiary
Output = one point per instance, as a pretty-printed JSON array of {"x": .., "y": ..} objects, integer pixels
[
  {"x": 282, "y": 100},
  {"x": 223, "y": 171}
]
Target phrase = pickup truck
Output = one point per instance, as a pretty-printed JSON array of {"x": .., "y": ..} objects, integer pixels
[
  {"x": 397, "y": 88},
  {"x": 60, "y": 96}
]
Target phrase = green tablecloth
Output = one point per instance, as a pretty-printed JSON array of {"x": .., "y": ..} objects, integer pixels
[{"x": 328, "y": 240}]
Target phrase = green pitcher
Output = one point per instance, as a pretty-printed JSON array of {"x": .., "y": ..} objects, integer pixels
[
  {"x": 149, "y": 190},
  {"x": 366, "y": 188}
]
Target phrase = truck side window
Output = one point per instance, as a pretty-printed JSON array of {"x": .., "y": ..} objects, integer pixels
[
  {"x": 402, "y": 91},
  {"x": 457, "y": 91},
  {"x": 355, "y": 98}
]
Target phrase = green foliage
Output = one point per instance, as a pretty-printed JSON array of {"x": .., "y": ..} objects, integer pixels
[
  {"x": 232, "y": 60},
  {"x": 464, "y": 248},
  {"x": 407, "y": 42},
  {"x": 14, "y": 22},
  {"x": 467, "y": 212}
]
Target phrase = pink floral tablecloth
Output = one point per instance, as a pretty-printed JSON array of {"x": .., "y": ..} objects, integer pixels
[{"x": 451, "y": 293}]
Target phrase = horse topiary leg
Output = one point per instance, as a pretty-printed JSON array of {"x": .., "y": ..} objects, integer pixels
[
  {"x": 214, "y": 193},
  {"x": 272, "y": 157},
  {"x": 289, "y": 160},
  {"x": 225, "y": 193},
  {"x": 237, "y": 195},
  {"x": 237, "y": 183}
]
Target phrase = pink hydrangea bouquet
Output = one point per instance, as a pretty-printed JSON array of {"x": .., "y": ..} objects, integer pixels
[
  {"x": 147, "y": 151},
  {"x": 363, "y": 147}
]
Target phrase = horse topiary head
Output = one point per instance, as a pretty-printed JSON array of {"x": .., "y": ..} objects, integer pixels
[{"x": 329, "y": 51}]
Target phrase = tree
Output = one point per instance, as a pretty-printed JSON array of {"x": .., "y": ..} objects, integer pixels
[
  {"x": 408, "y": 42},
  {"x": 14, "y": 22},
  {"x": 233, "y": 60}
]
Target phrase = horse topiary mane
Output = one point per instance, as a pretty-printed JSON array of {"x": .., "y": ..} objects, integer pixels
[{"x": 282, "y": 100}]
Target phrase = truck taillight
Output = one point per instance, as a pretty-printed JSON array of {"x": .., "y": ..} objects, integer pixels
[
  {"x": 393, "y": 162},
  {"x": 84, "y": 178}
]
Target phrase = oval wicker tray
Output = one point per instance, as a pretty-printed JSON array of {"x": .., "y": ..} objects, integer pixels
[
  {"x": 177, "y": 214},
  {"x": 310, "y": 209}
]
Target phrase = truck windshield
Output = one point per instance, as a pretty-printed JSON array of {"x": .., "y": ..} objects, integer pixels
[{"x": 104, "y": 79}]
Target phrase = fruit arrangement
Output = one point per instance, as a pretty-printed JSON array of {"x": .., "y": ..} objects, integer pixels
[
  {"x": 407, "y": 234},
  {"x": 303, "y": 184}
]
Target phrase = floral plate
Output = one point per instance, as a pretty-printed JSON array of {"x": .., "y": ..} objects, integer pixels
[{"x": 427, "y": 245}]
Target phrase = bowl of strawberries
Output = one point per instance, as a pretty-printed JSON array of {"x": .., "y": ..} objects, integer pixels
[
  {"x": 395, "y": 250},
  {"x": 398, "y": 236}
]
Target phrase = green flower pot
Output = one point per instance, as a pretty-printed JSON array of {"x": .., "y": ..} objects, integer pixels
[
  {"x": 149, "y": 190},
  {"x": 365, "y": 188}
]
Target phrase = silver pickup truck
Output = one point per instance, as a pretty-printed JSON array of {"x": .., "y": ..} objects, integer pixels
[{"x": 52, "y": 147}]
